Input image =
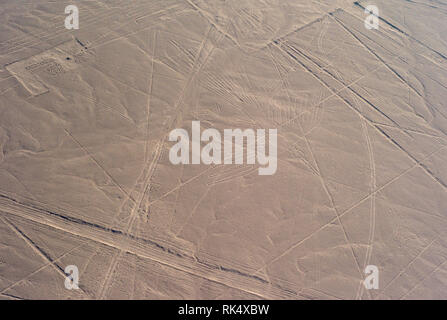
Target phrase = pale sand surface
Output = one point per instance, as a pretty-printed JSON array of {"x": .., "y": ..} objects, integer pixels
[{"x": 85, "y": 177}]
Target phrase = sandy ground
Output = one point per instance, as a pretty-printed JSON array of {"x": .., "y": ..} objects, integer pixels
[{"x": 85, "y": 177}]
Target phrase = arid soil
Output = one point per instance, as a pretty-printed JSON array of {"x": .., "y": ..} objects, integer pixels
[{"x": 86, "y": 178}]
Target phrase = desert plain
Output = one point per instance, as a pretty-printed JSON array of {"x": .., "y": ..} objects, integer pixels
[{"x": 86, "y": 179}]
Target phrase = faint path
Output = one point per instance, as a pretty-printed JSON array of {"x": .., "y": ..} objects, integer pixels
[
  {"x": 39, "y": 251},
  {"x": 382, "y": 291}
]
